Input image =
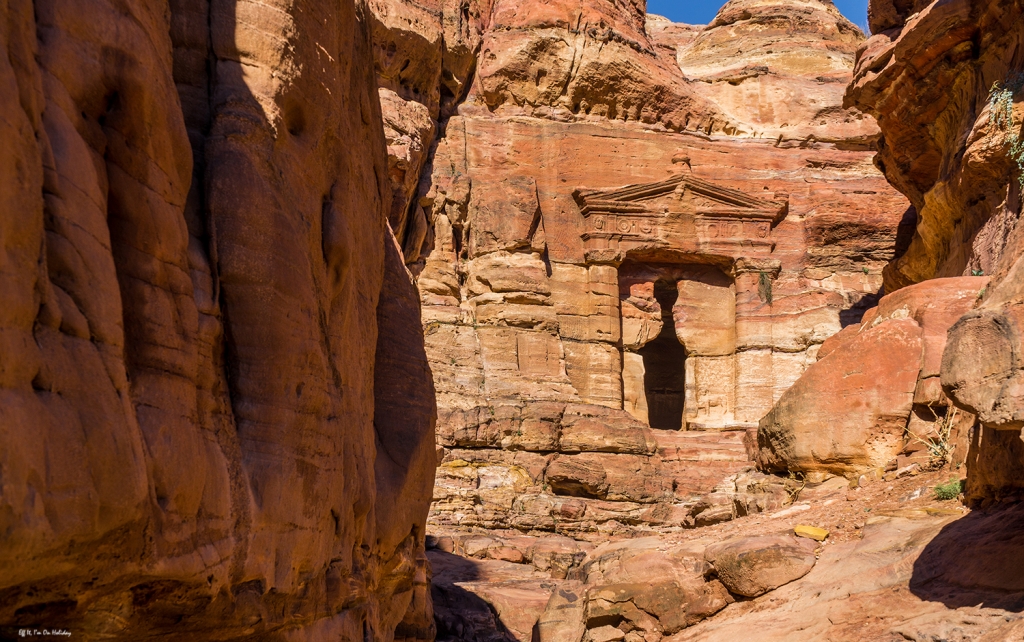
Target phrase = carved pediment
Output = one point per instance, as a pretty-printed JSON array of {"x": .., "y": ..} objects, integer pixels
[
  {"x": 682, "y": 193},
  {"x": 683, "y": 213}
]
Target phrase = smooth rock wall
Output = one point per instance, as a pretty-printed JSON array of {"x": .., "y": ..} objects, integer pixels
[{"x": 192, "y": 260}]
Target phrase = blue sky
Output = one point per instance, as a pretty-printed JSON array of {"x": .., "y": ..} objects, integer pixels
[{"x": 703, "y": 11}]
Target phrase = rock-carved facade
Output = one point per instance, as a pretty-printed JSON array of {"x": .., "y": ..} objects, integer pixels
[
  {"x": 683, "y": 250},
  {"x": 537, "y": 331}
]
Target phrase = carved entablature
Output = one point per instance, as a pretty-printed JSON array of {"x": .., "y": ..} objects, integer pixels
[{"x": 684, "y": 213}]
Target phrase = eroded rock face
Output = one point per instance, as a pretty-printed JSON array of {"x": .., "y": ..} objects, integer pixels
[
  {"x": 425, "y": 55},
  {"x": 851, "y": 411},
  {"x": 197, "y": 279},
  {"x": 525, "y": 316},
  {"x": 945, "y": 131},
  {"x": 943, "y": 80},
  {"x": 778, "y": 69}
]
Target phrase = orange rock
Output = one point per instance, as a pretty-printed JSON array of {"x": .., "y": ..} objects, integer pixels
[
  {"x": 859, "y": 385},
  {"x": 752, "y": 566},
  {"x": 811, "y": 532},
  {"x": 195, "y": 293},
  {"x": 847, "y": 413}
]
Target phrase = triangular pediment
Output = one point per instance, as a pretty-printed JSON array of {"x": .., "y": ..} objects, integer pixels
[{"x": 681, "y": 192}]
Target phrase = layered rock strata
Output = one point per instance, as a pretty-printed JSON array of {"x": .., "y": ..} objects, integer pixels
[
  {"x": 616, "y": 225},
  {"x": 198, "y": 280},
  {"x": 944, "y": 82}
]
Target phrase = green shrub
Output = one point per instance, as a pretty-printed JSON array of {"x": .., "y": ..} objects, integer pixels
[{"x": 949, "y": 490}]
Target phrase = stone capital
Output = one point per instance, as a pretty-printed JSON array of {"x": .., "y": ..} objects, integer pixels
[
  {"x": 772, "y": 267},
  {"x": 604, "y": 256}
]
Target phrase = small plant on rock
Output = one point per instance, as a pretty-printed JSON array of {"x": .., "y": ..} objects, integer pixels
[
  {"x": 940, "y": 446},
  {"x": 949, "y": 490},
  {"x": 1000, "y": 103}
]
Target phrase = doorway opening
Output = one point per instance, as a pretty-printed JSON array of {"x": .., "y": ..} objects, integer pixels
[{"x": 664, "y": 366}]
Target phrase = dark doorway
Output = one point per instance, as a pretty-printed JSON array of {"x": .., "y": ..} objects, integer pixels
[{"x": 664, "y": 360}]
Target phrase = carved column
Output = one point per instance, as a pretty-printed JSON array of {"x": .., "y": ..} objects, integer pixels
[
  {"x": 754, "y": 340},
  {"x": 590, "y": 328}
]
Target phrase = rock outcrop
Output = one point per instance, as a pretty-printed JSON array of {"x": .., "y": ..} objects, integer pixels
[
  {"x": 753, "y": 232},
  {"x": 937, "y": 85},
  {"x": 752, "y": 566},
  {"x": 910, "y": 566},
  {"x": 777, "y": 69},
  {"x": 556, "y": 292},
  {"x": 875, "y": 391},
  {"x": 943, "y": 79},
  {"x": 197, "y": 280}
]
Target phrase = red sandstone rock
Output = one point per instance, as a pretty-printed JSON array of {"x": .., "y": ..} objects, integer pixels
[
  {"x": 777, "y": 69},
  {"x": 752, "y": 566},
  {"x": 948, "y": 106},
  {"x": 848, "y": 412},
  {"x": 190, "y": 274},
  {"x": 927, "y": 310},
  {"x": 574, "y": 61},
  {"x": 980, "y": 367},
  {"x": 902, "y": 580},
  {"x": 943, "y": 149}
]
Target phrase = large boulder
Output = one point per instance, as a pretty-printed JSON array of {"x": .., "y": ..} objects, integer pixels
[
  {"x": 982, "y": 373},
  {"x": 982, "y": 369},
  {"x": 847, "y": 413}
]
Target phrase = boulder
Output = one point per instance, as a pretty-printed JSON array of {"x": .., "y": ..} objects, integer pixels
[
  {"x": 982, "y": 366},
  {"x": 935, "y": 305},
  {"x": 848, "y": 412},
  {"x": 752, "y": 566}
]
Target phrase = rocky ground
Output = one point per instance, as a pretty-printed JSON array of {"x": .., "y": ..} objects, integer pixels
[{"x": 895, "y": 565}]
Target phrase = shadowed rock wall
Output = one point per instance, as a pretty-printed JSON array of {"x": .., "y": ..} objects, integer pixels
[{"x": 195, "y": 290}]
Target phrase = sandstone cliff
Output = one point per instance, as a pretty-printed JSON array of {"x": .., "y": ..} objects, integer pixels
[
  {"x": 605, "y": 259},
  {"x": 556, "y": 339},
  {"x": 944, "y": 81},
  {"x": 198, "y": 280}
]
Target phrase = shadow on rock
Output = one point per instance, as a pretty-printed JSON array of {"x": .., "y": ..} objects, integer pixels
[
  {"x": 460, "y": 615},
  {"x": 977, "y": 560}
]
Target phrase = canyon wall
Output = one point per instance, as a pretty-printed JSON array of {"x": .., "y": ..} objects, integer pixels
[
  {"x": 944, "y": 81},
  {"x": 566, "y": 313},
  {"x": 198, "y": 281},
  {"x": 963, "y": 175}
]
